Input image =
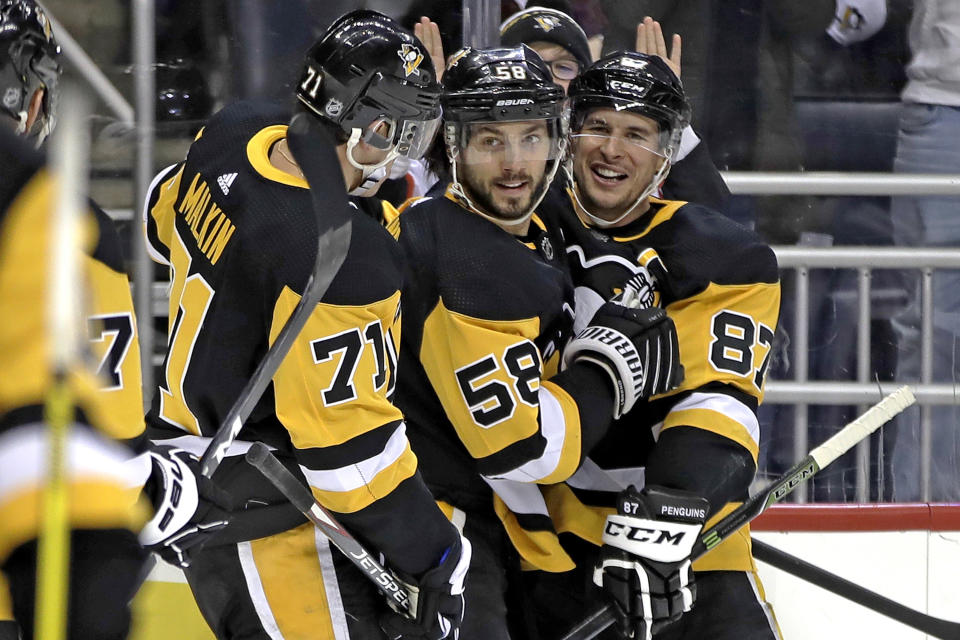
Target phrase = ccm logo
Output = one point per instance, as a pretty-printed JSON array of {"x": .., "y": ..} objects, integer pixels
[
  {"x": 514, "y": 102},
  {"x": 620, "y": 85},
  {"x": 642, "y": 534}
]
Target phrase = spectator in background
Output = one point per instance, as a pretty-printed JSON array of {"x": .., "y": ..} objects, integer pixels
[
  {"x": 559, "y": 40},
  {"x": 929, "y": 131}
]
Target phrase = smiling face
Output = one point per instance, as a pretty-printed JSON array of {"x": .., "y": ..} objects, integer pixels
[
  {"x": 615, "y": 157},
  {"x": 504, "y": 164}
]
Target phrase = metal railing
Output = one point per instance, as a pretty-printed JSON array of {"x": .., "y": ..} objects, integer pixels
[{"x": 801, "y": 393}]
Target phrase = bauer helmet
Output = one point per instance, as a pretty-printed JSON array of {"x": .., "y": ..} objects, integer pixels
[
  {"x": 367, "y": 69},
  {"x": 636, "y": 83},
  {"x": 28, "y": 61},
  {"x": 501, "y": 86}
]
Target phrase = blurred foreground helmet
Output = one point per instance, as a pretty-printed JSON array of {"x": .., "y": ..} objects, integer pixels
[
  {"x": 499, "y": 86},
  {"x": 368, "y": 70},
  {"x": 28, "y": 61}
]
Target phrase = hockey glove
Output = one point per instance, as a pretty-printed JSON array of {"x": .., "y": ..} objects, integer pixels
[
  {"x": 644, "y": 565},
  {"x": 189, "y": 508},
  {"x": 436, "y": 600},
  {"x": 636, "y": 347}
]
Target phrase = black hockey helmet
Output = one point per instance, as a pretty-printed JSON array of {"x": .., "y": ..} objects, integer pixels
[
  {"x": 626, "y": 81},
  {"x": 500, "y": 86},
  {"x": 540, "y": 24},
  {"x": 636, "y": 82},
  {"x": 28, "y": 61},
  {"x": 366, "y": 68},
  {"x": 505, "y": 84}
]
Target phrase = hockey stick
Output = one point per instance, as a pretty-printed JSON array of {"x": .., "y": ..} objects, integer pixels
[
  {"x": 259, "y": 456},
  {"x": 817, "y": 459},
  {"x": 313, "y": 148},
  {"x": 64, "y": 318},
  {"x": 833, "y": 583}
]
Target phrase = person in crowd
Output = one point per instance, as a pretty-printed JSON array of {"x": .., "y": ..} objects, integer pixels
[{"x": 929, "y": 123}]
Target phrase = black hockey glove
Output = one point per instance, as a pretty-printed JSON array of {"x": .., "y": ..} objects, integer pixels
[
  {"x": 644, "y": 565},
  {"x": 637, "y": 348},
  {"x": 189, "y": 508},
  {"x": 436, "y": 600}
]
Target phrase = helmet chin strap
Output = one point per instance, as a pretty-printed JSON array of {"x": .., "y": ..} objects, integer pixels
[
  {"x": 371, "y": 175},
  {"x": 603, "y": 223}
]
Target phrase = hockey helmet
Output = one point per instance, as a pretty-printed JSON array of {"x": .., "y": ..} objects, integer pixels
[
  {"x": 636, "y": 82},
  {"x": 499, "y": 86},
  {"x": 366, "y": 69},
  {"x": 28, "y": 61}
]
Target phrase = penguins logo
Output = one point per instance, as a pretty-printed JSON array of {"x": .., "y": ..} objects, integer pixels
[
  {"x": 547, "y": 23},
  {"x": 411, "y": 57}
]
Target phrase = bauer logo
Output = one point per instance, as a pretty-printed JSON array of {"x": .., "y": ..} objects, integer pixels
[{"x": 514, "y": 102}]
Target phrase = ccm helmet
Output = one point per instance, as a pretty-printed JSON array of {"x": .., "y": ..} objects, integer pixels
[
  {"x": 637, "y": 83},
  {"x": 367, "y": 70},
  {"x": 28, "y": 61},
  {"x": 498, "y": 86}
]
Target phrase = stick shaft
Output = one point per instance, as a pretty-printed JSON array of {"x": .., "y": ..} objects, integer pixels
[
  {"x": 301, "y": 497},
  {"x": 835, "y": 584}
]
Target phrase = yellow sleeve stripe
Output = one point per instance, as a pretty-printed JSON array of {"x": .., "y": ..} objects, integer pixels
[
  {"x": 733, "y": 554},
  {"x": 716, "y": 422},
  {"x": 539, "y": 548},
  {"x": 94, "y": 504},
  {"x": 454, "y": 342},
  {"x": 569, "y": 515},
  {"x": 560, "y": 425},
  {"x": 386, "y": 480},
  {"x": 163, "y": 212}
]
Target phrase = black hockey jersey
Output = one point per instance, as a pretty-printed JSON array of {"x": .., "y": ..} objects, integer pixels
[
  {"x": 486, "y": 315},
  {"x": 721, "y": 288},
  {"x": 101, "y": 492},
  {"x": 239, "y": 236}
]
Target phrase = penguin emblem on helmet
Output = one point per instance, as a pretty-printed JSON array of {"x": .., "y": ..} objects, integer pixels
[{"x": 411, "y": 57}]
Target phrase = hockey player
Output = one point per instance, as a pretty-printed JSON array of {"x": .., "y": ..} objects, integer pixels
[
  {"x": 104, "y": 514},
  {"x": 488, "y": 306},
  {"x": 106, "y": 478},
  {"x": 235, "y": 224},
  {"x": 685, "y": 458}
]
